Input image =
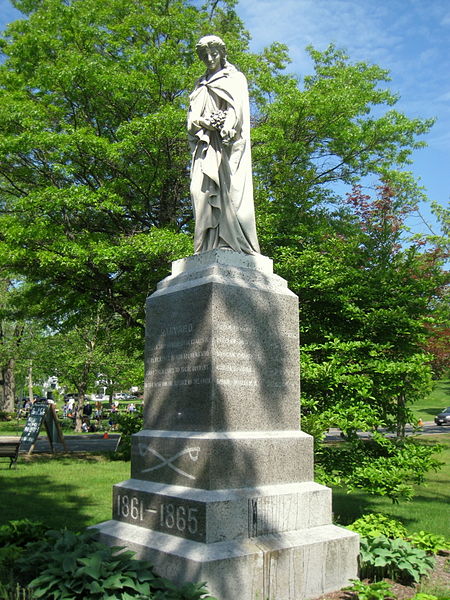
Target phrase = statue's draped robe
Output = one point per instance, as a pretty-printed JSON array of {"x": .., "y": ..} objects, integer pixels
[{"x": 221, "y": 175}]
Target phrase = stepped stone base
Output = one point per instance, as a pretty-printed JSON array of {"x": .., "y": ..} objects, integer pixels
[
  {"x": 221, "y": 486},
  {"x": 219, "y": 460},
  {"x": 292, "y": 565},
  {"x": 221, "y": 515}
]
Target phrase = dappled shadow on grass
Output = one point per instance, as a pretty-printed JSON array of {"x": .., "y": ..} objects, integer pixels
[{"x": 31, "y": 491}]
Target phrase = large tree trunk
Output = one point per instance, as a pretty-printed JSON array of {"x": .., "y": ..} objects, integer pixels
[{"x": 8, "y": 395}]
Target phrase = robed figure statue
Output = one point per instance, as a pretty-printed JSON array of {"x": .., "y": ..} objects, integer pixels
[{"x": 221, "y": 171}]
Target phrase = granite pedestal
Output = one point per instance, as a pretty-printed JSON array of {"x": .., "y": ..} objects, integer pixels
[{"x": 221, "y": 483}]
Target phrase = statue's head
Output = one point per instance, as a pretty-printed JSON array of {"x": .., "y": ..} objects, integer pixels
[{"x": 212, "y": 51}]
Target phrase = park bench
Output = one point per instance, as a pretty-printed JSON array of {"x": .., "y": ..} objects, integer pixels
[{"x": 9, "y": 448}]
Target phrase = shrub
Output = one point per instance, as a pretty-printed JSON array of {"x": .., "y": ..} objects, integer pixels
[
  {"x": 397, "y": 559},
  {"x": 379, "y": 590},
  {"x": 431, "y": 543},
  {"x": 377, "y": 525},
  {"x": 21, "y": 532},
  {"x": 64, "y": 565},
  {"x": 128, "y": 424}
]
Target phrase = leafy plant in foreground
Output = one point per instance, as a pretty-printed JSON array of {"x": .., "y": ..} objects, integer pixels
[
  {"x": 397, "y": 559},
  {"x": 429, "y": 542},
  {"x": 376, "y": 524},
  {"x": 379, "y": 590},
  {"x": 21, "y": 532},
  {"x": 66, "y": 565}
]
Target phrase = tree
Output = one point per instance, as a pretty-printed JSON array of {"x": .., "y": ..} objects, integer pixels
[
  {"x": 366, "y": 303},
  {"x": 93, "y": 152},
  {"x": 94, "y": 197},
  {"x": 88, "y": 353},
  {"x": 19, "y": 339}
]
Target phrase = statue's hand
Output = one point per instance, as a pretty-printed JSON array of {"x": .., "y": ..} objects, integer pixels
[
  {"x": 205, "y": 124},
  {"x": 227, "y": 135}
]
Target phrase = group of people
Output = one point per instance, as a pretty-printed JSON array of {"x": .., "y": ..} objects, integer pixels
[{"x": 92, "y": 415}]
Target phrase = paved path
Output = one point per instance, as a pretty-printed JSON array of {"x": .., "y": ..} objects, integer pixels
[
  {"x": 97, "y": 443},
  {"x": 429, "y": 427},
  {"x": 81, "y": 443},
  {"x": 78, "y": 443}
]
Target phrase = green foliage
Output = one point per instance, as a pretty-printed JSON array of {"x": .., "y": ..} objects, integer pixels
[
  {"x": 376, "y": 525},
  {"x": 380, "y": 466},
  {"x": 365, "y": 304},
  {"x": 378, "y": 590},
  {"x": 421, "y": 596},
  {"x": 431, "y": 543},
  {"x": 128, "y": 423},
  {"x": 396, "y": 559},
  {"x": 8, "y": 558},
  {"x": 76, "y": 566},
  {"x": 93, "y": 150},
  {"x": 21, "y": 532},
  {"x": 94, "y": 198},
  {"x": 14, "y": 536}
]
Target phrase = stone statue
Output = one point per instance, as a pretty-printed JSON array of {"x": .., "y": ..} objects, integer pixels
[{"x": 219, "y": 137}]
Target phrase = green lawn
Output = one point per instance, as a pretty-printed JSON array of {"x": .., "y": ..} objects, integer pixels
[
  {"x": 75, "y": 491},
  {"x": 439, "y": 398},
  {"x": 428, "y": 510},
  {"x": 61, "y": 490}
]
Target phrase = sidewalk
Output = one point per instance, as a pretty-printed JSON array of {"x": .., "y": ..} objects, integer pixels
[{"x": 78, "y": 443}]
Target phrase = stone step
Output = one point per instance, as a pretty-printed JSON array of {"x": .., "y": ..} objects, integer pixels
[
  {"x": 287, "y": 566},
  {"x": 215, "y": 516},
  {"x": 222, "y": 460}
]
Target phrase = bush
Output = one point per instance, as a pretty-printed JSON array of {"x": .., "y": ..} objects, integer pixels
[
  {"x": 128, "y": 424},
  {"x": 65, "y": 565},
  {"x": 21, "y": 532},
  {"x": 431, "y": 543},
  {"x": 378, "y": 590},
  {"x": 376, "y": 525},
  {"x": 397, "y": 559}
]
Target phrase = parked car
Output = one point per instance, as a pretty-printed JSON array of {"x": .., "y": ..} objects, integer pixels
[{"x": 443, "y": 418}]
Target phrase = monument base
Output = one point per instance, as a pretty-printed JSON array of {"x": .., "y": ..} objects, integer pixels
[
  {"x": 292, "y": 565},
  {"x": 221, "y": 486}
]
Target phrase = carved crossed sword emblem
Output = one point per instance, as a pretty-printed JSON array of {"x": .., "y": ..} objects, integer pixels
[{"x": 168, "y": 462}]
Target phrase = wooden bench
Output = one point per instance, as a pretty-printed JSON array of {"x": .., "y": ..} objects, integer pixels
[{"x": 9, "y": 448}]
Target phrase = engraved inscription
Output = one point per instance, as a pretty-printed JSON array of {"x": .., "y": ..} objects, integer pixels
[
  {"x": 273, "y": 514},
  {"x": 168, "y": 462},
  {"x": 182, "y": 358},
  {"x": 166, "y": 514}
]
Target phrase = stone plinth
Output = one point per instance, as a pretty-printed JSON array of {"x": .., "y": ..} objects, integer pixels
[
  {"x": 222, "y": 349},
  {"x": 221, "y": 476}
]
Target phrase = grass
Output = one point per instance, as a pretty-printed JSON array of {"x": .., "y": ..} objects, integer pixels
[
  {"x": 439, "y": 398},
  {"x": 13, "y": 427},
  {"x": 427, "y": 511},
  {"x": 61, "y": 490},
  {"x": 75, "y": 491}
]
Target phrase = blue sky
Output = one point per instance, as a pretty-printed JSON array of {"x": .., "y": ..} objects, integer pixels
[{"x": 410, "y": 38}]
